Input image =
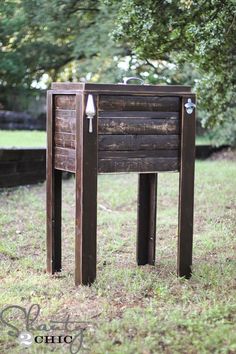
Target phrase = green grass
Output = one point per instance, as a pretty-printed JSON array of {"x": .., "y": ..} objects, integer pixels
[
  {"x": 22, "y": 138},
  {"x": 131, "y": 309}
]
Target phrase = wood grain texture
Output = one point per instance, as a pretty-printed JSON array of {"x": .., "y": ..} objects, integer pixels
[
  {"x": 138, "y": 103},
  {"x": 148, "y": 164},
  {"x": 53, "y": 197},
  {"x": 138, "y": 114},
  {"x": 138, "y": 142},
  {"x": 64, "y": 102},
  {"x": 145, "y": 89},
  {"x": 146, "y": 231},
  {"x": 65, "y": 140},
  {"x": 86, "y": 197},
  {"x": 137, "y": 154},
  {"x": 137, "y": 126},
  {"x": 186, "y": 193}
]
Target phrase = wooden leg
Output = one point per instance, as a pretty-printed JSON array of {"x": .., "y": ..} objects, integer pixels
[
  {"x": 146, "y": 235},
  {"x": 53, "y": 198},
  {"x": 54, "y": 184},
  {"x": 186, "y": 194},
  {"x": 86, "y": 197}
]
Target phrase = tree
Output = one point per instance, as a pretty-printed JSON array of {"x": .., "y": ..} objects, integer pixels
[
  {"x": 56, "y": 39},
  {"x": 198, "y": 32}
]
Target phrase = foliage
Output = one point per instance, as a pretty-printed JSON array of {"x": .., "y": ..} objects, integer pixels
[
  {"x": 201, "y": 33},
  {"x": 56, "y": 39}
]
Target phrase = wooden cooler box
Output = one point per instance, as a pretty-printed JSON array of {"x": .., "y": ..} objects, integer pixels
[{"x": 103, "y": 128}]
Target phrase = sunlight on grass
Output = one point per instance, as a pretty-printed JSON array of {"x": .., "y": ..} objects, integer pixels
[{"x": 22, "y": 138}]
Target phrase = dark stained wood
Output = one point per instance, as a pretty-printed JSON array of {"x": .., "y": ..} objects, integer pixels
[
  {"x": 21, "y": 178},
  {"x": 137, "y": 154},
  {"x": 53, "y": 198},
  {"x": 148, "y": 164},
  {"x": 137, "y": 142},
  {"x": 138, "y": 114},
  {"x": 22, "y": 154},
  {"x": 65, "y": 114},
  {"x": 66, "y": 102},
  {"x": 146, "y": 232},
  {"x": 137, "y": 126},
  {"x": 124, "y": 126},
  {"x": 120, "y": 88},
  {"x": 86, "y": 197},
  {"x": 136, "y": 129},
  {"x": 65, "y": 125},
  {"x": 64, "y": 164},
  {"x": 10, "y": 167},
  {"x": 66, "y": 140},
  {"x": 138, "y": 103},
  {"x": 186, "y": 193}
]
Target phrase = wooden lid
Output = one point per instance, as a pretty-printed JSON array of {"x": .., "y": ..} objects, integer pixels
[{"x": 81, "y": 86}]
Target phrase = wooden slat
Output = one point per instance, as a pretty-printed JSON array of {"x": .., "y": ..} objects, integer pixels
[
  {"x": 146, "y": 231},
  {"x": 119, "y": 88},
  {"x": 137, "y": 142},
  {"x": 138, "y": 103},
  {"x": 21, "y": 178},
  {"x": 65, "y": 159},
  {"x": 138, "y": 114},
  {"x": 64, "y": 102},
  {"x": 65, "y": 114},
  {"x": 21, "y": 166},
  {"x": 21, "y": 154},
  {"x": 124, "y": 126},
  {"x": 186, "y": 193},
  {"x": 137, "y": 126},
  {"x": 66, "y": 140},
  {"x": 138, "y": 165},
  {"x": 65, "y": 125},
  {"x": 138, "y": 154},
  {"x": 64, "y": 164}
]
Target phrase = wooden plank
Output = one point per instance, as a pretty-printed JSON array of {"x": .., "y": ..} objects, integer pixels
[
  {"x": 138, "y": 103},
  {"x": 119, "y": 88},
  {"x": 137, "y": 142},
  {"x": 54, "y": 180},
  {"x": 21, "y": 178},
  {"x": 21, "y": 154},
  {"x": 186, "y": 193},
  {"x": 137, "y": 154},
  {"x": 65, "y": 114},
  {"x": 64, "y": 163},
  {"x": 146, "y": 231},
  {"x": 137, "y": 126},
  {"x": 86, "y": 196},
  {"x": 138, "y": 165},
  {"x": 138, "y": 114},
  {"x": 7, "y": 168},
  {"x": 66, "y": 140},
  {"x": 64, "y": 102},
  {"x": 65, "y": 125}
]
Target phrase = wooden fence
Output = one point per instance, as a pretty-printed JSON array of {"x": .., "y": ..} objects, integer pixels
[{"x": 22, "y": 166}]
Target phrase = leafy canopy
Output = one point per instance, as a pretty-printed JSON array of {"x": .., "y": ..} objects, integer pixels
[{"x": 198, "y": 32}]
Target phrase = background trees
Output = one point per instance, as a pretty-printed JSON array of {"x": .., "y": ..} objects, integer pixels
[{"x": 164, "y": 41}]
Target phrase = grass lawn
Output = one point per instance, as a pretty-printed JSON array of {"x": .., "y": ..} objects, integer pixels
[
  {"x": 22, "y": 138},
  {"x": 130, "y": 309}
]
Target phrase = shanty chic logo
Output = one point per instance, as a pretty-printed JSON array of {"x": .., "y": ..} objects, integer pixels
[{"x": 71, "y": 332}]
